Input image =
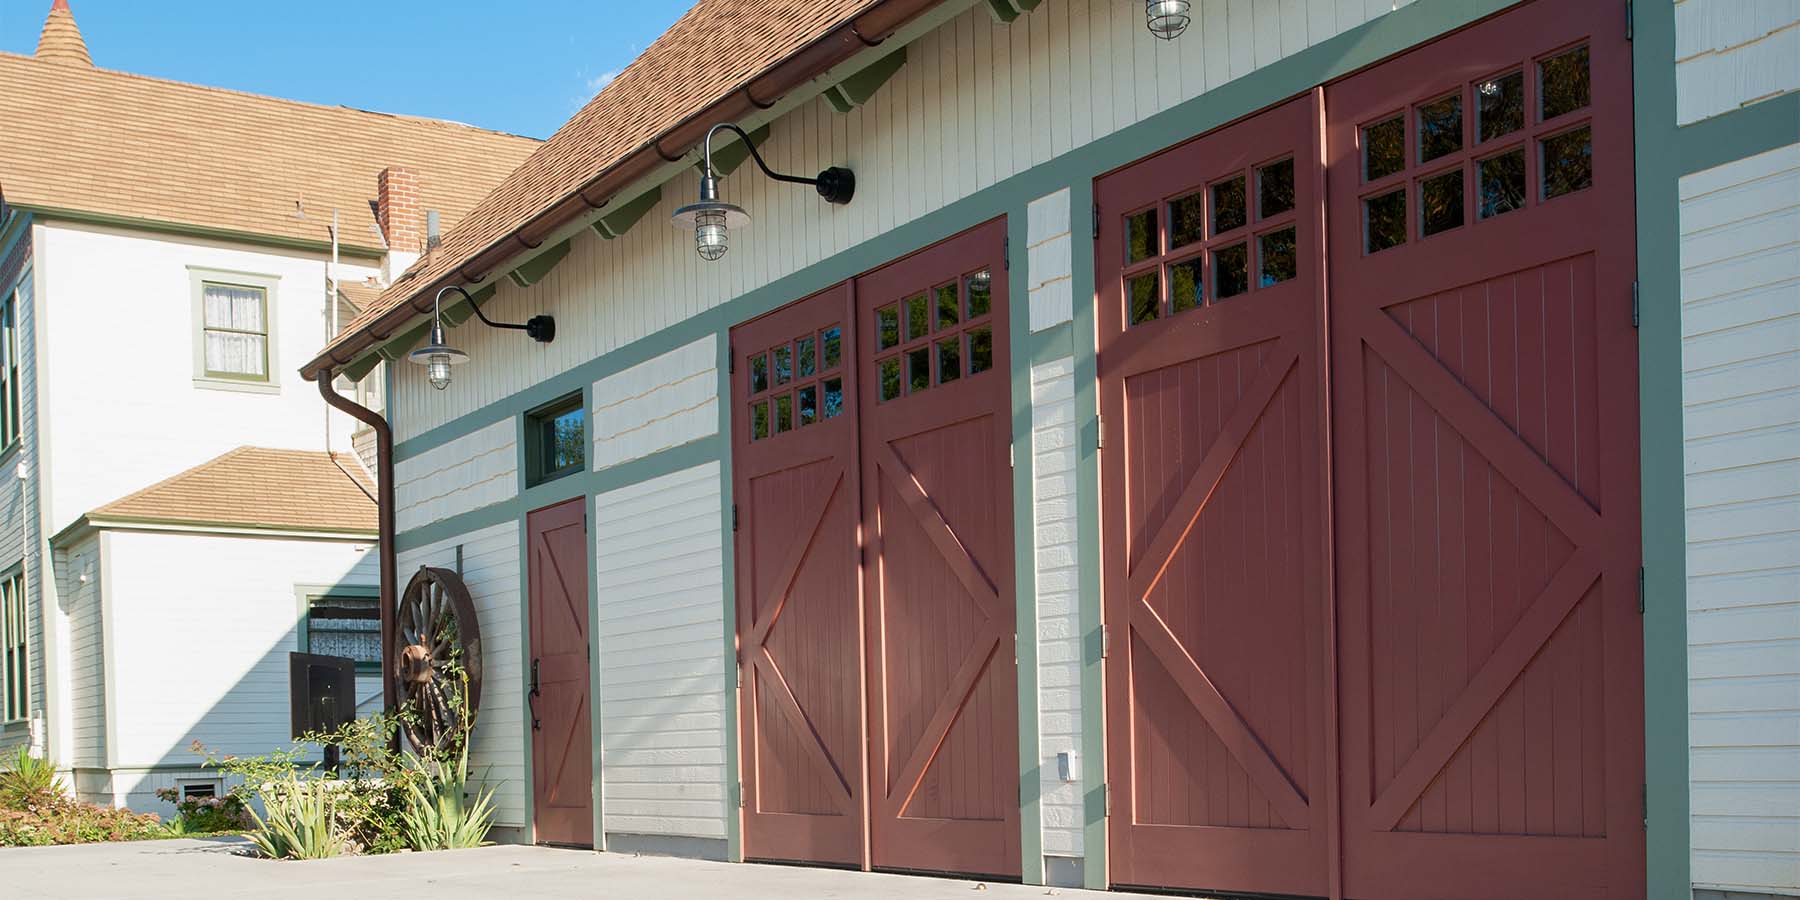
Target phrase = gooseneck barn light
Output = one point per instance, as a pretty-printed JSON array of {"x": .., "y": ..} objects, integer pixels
[
  {"x": 437, "y": 356},
  {"x": 712, "y": 219},
  {"x": 1167, "y": 19}
]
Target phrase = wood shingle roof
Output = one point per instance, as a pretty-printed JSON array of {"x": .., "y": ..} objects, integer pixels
[{"x": 257, "y": 488}]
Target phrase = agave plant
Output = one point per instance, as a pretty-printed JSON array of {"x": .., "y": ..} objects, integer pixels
[
  {"x": 439, "y": 814},
  {"x": 27, "y": 780},
  {"x": 301, "y": 823}
]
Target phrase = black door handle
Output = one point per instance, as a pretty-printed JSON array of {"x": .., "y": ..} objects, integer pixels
[{"x": 531, "y": 698}]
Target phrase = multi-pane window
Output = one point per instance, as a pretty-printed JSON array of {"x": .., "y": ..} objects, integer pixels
[
  {"x": 555, "y": 439},
  {"x": 796, "y": 383},
  {"x": 348, "y": 626},
  {"x": 235, "y": 331},
  {"x": 9, "y": 372},
  {"x": 935, "y": 337},
  {"x": 15, "y": 663},
  {"x": 1516, "y": 138}
]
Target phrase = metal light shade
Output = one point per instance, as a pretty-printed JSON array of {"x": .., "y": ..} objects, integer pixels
[
  {"x": 712, "y": 221},
  {"x": 437, "y": 357},
  {"x": 1167, "y": 19}
]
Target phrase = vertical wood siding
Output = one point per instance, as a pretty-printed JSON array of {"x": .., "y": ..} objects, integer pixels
[
  {"x": 657, "y": 404},
  {"x": 1730, "y": 53},
  {"x": 977, "y": 103},
  {"x": 490, "y": 565},
  {"x": 659, "y": 577},
  {"x": 1059, "y": 629},
  {"x": 476, "y": 470},
  {"x": 1740, "y": 321}
]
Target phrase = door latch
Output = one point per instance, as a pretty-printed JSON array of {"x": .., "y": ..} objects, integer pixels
[{"x": 531, "y": 698}]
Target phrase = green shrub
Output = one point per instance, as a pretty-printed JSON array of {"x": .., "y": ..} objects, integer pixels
[
  {"x": 27, "y": 779},
  {"x": 439, "y": 814},
  {"x": 206, "y": 815},
  {"x": 301, "y": 822},
  {"x": 65, "y": 821}
]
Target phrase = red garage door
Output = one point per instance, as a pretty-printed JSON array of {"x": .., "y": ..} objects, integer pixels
[
  {"x": 875, "y": 577},
  {"x": 1485, "y": 399}
]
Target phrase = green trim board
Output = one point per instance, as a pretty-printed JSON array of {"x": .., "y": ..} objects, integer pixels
[
  {"x": 1087, "y": 543},
  {"x": 132, "y": 223},
  {"x": 533, "y": 270},
  {"x": 1741, "y": 133},
  {"x": 1025, "y": 626},
  {"x": 1659, "y": 165},
  {"x": 856, "y": 90},
  {"x": 1053, "y": 343},
  {"x": 734, "y": 778},
  {"x": 614, "y": 224},
  {"x": 1005, "y": 11}
]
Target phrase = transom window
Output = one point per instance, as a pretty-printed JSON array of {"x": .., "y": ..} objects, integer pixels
[
  {"x": 1232, "y": 237},
  {"x": 797, "y": 383},
  {"x": 935, "y": 337},
  {"x": 555, "y": 439},
  {"x": 1518, "y": 137},
  {"x": 235, "y": 330},
  {"x": 347, "y": 626},
  {"x": 15, "y": 656}
]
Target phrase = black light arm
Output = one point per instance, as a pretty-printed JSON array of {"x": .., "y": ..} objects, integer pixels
[
  {"x": 541, "y": 328},
  {"x": 836, "y": 184}
]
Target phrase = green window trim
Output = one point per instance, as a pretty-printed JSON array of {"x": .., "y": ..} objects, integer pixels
[
  {"x": 11, "y": 415},
  {"x": 549, "y": 453},
  {"x": 268, "y": 381},
  {"x": 15, "y": 650}
]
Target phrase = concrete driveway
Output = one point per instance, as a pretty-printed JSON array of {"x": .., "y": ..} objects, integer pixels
[{"x": 164, "y": 870}]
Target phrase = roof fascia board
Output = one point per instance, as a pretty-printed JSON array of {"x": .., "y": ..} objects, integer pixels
[
  {"x": 90, "y": 523},
  {"x": 50, "y": 213},
  {"x": 904, "y": 36}
]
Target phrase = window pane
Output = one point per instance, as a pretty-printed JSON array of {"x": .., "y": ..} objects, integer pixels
[
  {"x": 1143, "y": 300},
  {"x": 1441, "y": 202},
  {"x": 809, "y": 404},
  {"x": 1384, "y": 221},
  {"x": 918, "y": 370},
  {"x": 949, "y": 359},
  {"x": 890, "y": 378},
  {"x": 345, "y": 626},
  {"x": 805, "y": 358},
  {"x": 918, "y": 317},
  {"x": 564, "y": 440},
  {"x": 1187, "y": 222},
  {"x": 759, "y": 373},
  {"x": 1275, "y": 188},
  {"x": 1384, "y": 148},
  {"x": 1500, "y": 105},
  {"x": 230, "y": 353},
  {"x": 981, "y": 350},
  {"x": 784, "y": 364},
  {"x": 1140, "y": 236},
  {"x": 1440, "y": 128},
  {"x": 1228, "y": 205},
  {"x": 1501, "y": 181},
  {"x": 1564, "y": 83},
  {"x": 1568, "y": 162},
  {"x": 1186, "y": 289},
  {"x": 1231, "y": 270},
  {"x": 887, "y": 327},
  {"x": 759, "y": 420},
  {"x": 1278, "y": 259},
  {"x": 784, "y": 413},
  {"x": 981, "y": 293},
  {"x": 834, "y": 397},
  {"x": 947, "y": 306},
  {"x": 834, "y": 348},
  {"x": 234, "y": 307}
]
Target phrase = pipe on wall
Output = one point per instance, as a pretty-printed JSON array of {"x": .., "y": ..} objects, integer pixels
[{"x": 384, "y": 517}]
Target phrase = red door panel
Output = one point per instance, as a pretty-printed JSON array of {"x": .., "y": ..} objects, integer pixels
[
  {"x": 937, "y": 515},
  {"x": 562, "y": 759},
  {"x": 799, "y": 595},
  {"x": 1210, "y": 278},
  {"x": 1486, "y": 467}
]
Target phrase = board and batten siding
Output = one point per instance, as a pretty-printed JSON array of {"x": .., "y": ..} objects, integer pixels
[
  {"x": 1740, "y": 320},
  {"x": 659, "y": 577},
  {"x": 657, "y": 404},
  {"x": 478, "y": 469},
  {"x": 1731, "y": 53},
  {"x": 977, "y": 102},
  {"x": 490, "y": 570}
]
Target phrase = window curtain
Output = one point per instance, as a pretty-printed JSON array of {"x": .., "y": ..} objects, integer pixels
[{"x": 236, "y": 336}]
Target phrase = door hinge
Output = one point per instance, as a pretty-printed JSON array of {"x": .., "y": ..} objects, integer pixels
[
  {"x": 1644, "y": 798},
  {"x": 1105, "y": 641},
  {"x": 734, "y": 521},
  {"x": 740, "y": 673},
  {"x": 1106, "y": 797},
  {"x": 740, "y": 795},
  {"x": 730, "y": 360},
  {"x": 1096, "y": 221},
  {"x": 1630, "y": 19},
  {"x": 1099, "y": 432},
  {"x": 1012, "y": 461},
  {"x": 1641, "y": 590},
  {"x": 1006, "y": 253},
  {"x": 1637, "y": 309}
]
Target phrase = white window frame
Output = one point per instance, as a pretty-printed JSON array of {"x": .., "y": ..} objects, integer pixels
[
  {"x": 198, "y": 278},
  {"x": 15, "y": 630}
]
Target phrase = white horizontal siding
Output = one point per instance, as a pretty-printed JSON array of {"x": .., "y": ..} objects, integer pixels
[
  {"x": 1729, "y": 53},
  {"x": 976, "y": 103},
  {"x": 19, "y": 530},
  {"x": 1051, "y": 250},
  {"x": 1740, "y": 261},
  {"x": 490, "y": 566},
  {"x": 87, "y": 666},
  {"x": 475, "y": 470},
  {"x": 1056, "y": 557},
  {"x": 659, "y": 577},
  {"x": 657, "y": 404}
]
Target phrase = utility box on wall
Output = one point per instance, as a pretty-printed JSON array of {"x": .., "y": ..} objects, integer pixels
[{"x": 321, "y": 692}]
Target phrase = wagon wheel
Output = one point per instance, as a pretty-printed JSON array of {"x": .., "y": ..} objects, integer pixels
[{"x": 435, "y": 635}]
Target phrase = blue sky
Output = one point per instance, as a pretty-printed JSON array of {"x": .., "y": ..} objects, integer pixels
[{"x": 484, "y": 63}]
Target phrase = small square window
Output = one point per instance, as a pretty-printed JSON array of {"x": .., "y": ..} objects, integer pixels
[
  {"x": 980, "y": 288},
  {"x": 1568, "y": 162},
  {"x": 1278, "y": 257},
  {"x": 1440, "y": 128},
  {"x": 918, "y": 317},
  {"x": 1187, "y": 220},
  {"x": 947, "y": 306},
  {"x": 759, "y": 373},
  {"x": 1275, "y": 188},
  {"x": 949, "y": 359},
  {"x": 805, "y": 358},
  {"x": 783, "y": 358},
  {"x": 834, "y": 397},
  {"x": 555, "y": 440},
  {"x": 759, "y": 420},
  {"x": 1140, "y": 236},
  {"x": 1231, "y": 271},
  {"x": 1228, "y": 205},
  {"x": 784, "y": 413},
  {"x": 1186, "y": 286},
  {"x": 890, "y": 377},
  {"x": 1143, "y": 300},
  {"x": 1500, "y": 183},
  {"x": 1384, "y": 148},
  {"x": 235, "y": 331},
  {"x": 832, "y": 340},
  {"x": 1384, "y": 221},
  {"x": 348, "y": 626},
  {"x": 887, "y": 327},
  {"x": 918, "y": 369},
  {"x": 1564, "y": 83},
  {"x": 1441, "y": 202},
  {"x": 809, "y": 404},
  {"x": 1500, "y": 105},
  {"x": 981, "y": 350}
]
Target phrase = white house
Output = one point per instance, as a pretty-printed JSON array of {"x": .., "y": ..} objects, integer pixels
[
  {"x": 179, "y": 506},
  {"x": 1344, "y": 449}
]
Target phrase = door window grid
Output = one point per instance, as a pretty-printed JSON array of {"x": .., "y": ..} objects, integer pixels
[
  {"x": 935, "y": 336},
  {"x": 1234, "y": 236},
  {"x": 1516, "y": 138},
  {"x": 796, "y": 383}
]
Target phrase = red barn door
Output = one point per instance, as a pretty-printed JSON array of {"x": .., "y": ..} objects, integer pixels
[
  {"x": 562, "y": 742},
  {"x": 1215, "y": 583},
  {"x": 1485, "y": 405}
]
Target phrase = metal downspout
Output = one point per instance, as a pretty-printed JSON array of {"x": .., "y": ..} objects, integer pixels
[{"x": 384, "y": 514}]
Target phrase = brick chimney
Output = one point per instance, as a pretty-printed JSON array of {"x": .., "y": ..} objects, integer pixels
[{"x": 400, "y": 211}]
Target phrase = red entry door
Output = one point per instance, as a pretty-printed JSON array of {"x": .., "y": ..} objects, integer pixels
[
  {"x": 1485, "y": 405},
  {"x": 799, "y": 602},
  {"x": 562, "y": 760},
  {"x": 1209, "y": 265},
  {"x": 935, "y": 387}
]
